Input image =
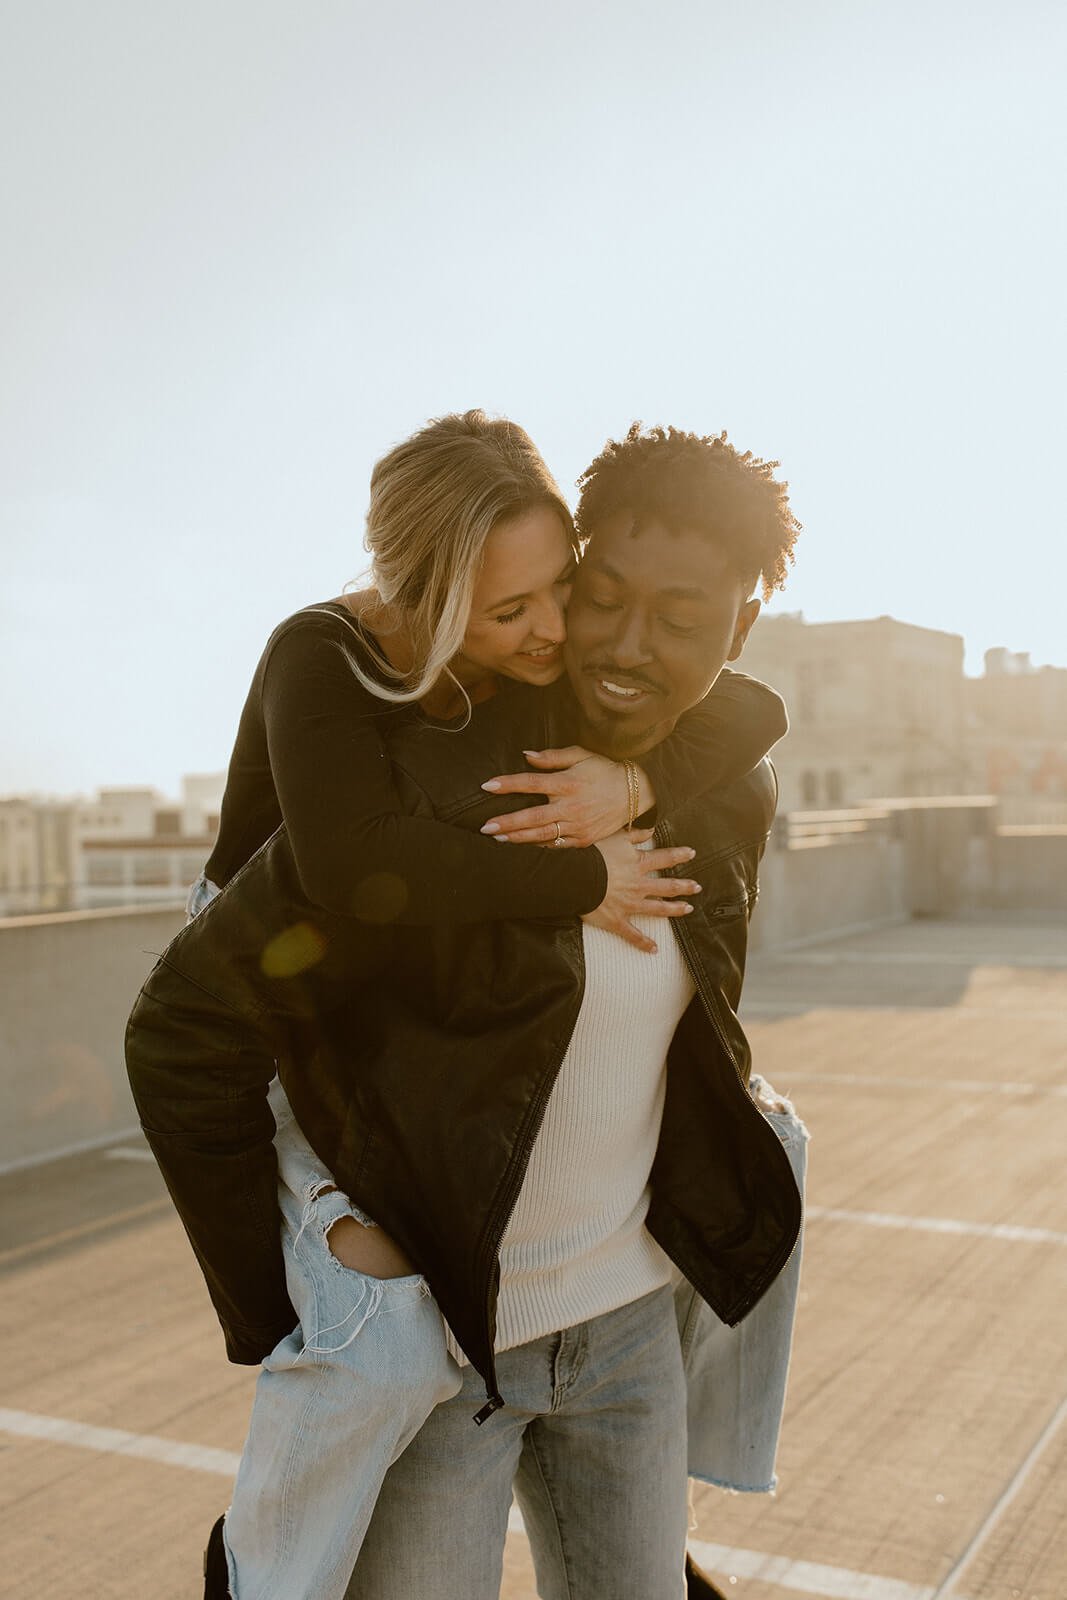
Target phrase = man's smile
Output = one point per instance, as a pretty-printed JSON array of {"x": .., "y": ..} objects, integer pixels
[{"x": 619, "y": 691}]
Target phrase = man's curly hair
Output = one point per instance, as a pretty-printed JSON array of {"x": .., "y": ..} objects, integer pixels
[{"x": 686, "y": 480}]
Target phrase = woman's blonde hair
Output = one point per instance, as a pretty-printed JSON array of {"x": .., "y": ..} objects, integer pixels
[{"x": 434, "y": 500}]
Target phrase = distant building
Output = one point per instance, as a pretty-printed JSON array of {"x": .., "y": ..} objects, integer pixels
[
  {"x": 18, "y": 856},
  {"x": 118, "y": 813},
  {"x": 1017, "y": 736},
  {"x": 125, "y": 847},
  {"x": 127, "y": 872},
  {"x": 57, "y": 854},
  {"x": 875, "y": 708},
  {"x": 202, "y": 802}
]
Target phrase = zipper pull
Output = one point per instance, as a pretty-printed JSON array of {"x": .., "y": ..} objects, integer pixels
[{"x": 494, "y": 1403}]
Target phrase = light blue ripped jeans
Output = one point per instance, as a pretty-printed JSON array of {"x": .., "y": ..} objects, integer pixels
[
  {"x": 337, "y": 1400},
  {"x": 736, "y": 1377}
]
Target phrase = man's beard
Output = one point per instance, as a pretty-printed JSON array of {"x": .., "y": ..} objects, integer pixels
[
  {"x": 612, "y": 737},
  {"x": 601, "y": 732}
]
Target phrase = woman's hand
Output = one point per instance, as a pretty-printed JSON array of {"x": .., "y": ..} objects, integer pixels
[
  {"x": 634, "y": 890},
  {"x": 587, "y": 799}
]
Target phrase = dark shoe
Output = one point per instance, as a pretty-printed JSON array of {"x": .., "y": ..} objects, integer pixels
[
  {"x": 698, "y": 1586},
  {"x": 216, "y": 1572}
]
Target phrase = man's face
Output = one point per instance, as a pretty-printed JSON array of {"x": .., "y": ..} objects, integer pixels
[{"x": 652, "y": 619}]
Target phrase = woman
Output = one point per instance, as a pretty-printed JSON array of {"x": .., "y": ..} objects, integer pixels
[{"x": 473, "y": 550}]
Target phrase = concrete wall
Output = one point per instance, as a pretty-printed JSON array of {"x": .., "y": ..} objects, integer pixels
[
  {"x": 67, "y": 983},
  {"x": 817, "y": 890},
  {"x": 1030, "y": 869}
]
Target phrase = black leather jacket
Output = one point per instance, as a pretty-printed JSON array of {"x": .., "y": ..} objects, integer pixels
[{"x": 419, "y": 1061}]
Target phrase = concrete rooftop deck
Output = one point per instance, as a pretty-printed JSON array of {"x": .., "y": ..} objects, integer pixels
[{"x": 925, "y": 1448}]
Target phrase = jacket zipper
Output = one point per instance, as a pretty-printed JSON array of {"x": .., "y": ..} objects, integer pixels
[{"x": 501, "y": 1214}]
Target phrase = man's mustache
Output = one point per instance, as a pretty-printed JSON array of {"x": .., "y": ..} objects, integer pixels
[{"x": 625, "y": 679}]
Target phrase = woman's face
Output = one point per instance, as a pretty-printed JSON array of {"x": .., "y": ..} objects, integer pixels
[{"x": 516, "y": 625}]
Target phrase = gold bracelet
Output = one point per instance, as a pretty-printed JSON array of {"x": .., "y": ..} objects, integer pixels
[{"x": 633, "y": 793}]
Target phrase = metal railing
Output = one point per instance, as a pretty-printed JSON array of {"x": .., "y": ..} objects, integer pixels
[{"x": 814, "y": 830}]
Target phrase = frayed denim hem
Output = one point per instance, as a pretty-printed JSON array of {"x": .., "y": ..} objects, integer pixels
[{"x": 737, "y": 1488}]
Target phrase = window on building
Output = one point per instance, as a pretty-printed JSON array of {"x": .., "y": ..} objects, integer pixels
[
  {"x": 151, "y": 871},
  {"x": 103, "y": 872},
  {"x": 805, "y": 700}
]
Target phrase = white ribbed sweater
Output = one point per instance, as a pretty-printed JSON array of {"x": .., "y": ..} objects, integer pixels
[{"x": 576, "y": 1245}]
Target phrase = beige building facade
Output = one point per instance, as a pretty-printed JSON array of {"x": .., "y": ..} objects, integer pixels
[
  {"x": 875, "y": 708},
  {"x": 125, "y": 847},
  {"x": 19, "y": 873},
  {"x": 1017, "y": 736}
]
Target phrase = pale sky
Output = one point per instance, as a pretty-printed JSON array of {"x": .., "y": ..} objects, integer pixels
[{"x": 249, "y": 246}]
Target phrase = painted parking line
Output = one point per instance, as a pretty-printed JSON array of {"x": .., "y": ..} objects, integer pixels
[
  {"x": 861, "y": 1080},
  {"x": 754, "y": 1009},
  {"x": 85, "y": 1230},
  {"x": 117, "y": 1442},
  {"x": 973, "y": 1230},
  {"x": 61, "y": 1152},
  {"x": 903, "y": 958},
  {"x": 949, "y": 1585},
  {"x": 804, "y": 1577}
]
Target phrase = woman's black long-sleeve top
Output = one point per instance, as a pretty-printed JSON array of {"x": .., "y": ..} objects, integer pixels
[{"x": 310, "y": 751}]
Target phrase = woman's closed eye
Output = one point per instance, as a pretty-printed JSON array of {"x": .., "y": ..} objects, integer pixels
[{"x": 564, "y": 581}]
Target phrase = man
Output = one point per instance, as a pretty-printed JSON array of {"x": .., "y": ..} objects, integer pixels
[{"x": 514, "y": 1125}]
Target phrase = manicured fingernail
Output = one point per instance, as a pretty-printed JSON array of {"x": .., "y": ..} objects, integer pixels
[
  {"x": 689, "y": 854},
  {"x": 491, "y": 827},
  {"x": 695, "y": 888},
  {"x": 492, "y": 785},
  {"x": 531, "y": 752},
  {"x": 686, "y": 908}
]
